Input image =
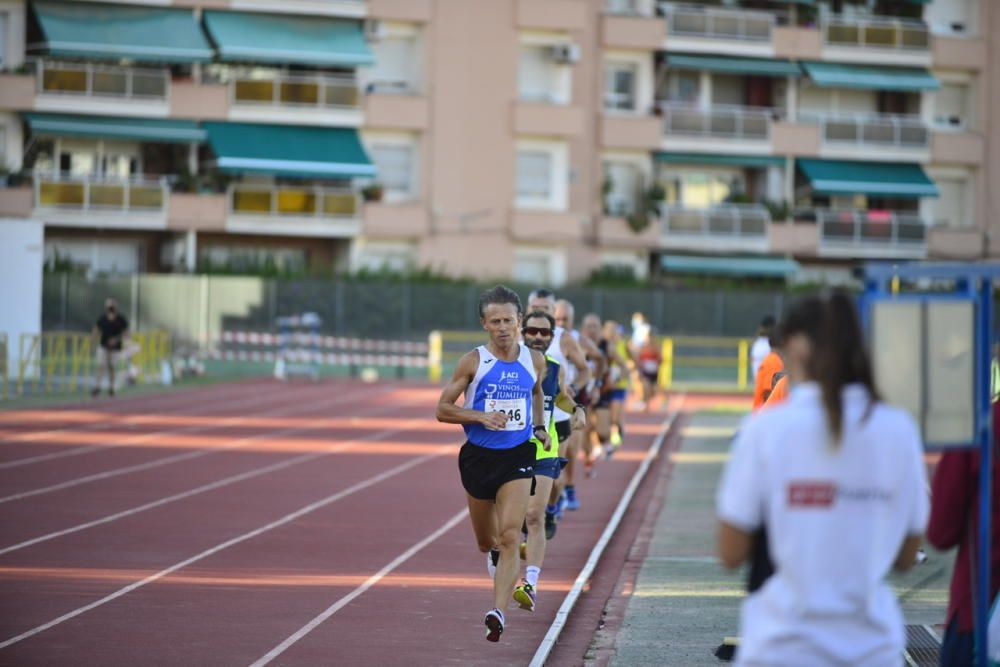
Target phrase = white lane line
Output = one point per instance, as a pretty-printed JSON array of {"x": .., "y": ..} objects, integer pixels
[
  {"x": 127, "y": 420},
  {"x": 250, "y": 474},
  {"x": 360, "y": 590},
  {"x": 549, "y": 641},
  {"x": 288, "y": 518},
  {"x": 197, "y": 453}
]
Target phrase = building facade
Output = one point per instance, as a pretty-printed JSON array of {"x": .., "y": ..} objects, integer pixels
[{"x": 536, "y": 140}]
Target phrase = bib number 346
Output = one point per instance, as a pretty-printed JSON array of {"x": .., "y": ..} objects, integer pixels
[{"x": 515, "y": 409}]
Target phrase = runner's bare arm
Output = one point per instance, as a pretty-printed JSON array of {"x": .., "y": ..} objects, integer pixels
[
  {"x": 566, "y": 403},
  {"x": 572, "y": 351},
  {"x": 538, "y": 401},
  {"x": 450, "y": 413},
  {"x": 594, "y": 354}
]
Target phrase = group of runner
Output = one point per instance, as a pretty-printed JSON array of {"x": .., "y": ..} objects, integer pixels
[{"x": 539, "y": 398}]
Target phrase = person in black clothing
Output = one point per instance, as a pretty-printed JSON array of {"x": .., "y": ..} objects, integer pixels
[{"x": 112, "y": 327}]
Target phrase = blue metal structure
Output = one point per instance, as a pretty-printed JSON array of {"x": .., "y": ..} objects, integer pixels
[{"x": 968, "y": 282}]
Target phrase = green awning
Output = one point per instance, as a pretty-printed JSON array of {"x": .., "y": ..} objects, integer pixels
[
  {"x": 870, "y": 77},
  {"x": 877, "y": 179},
  {"x": 765, "y": 267},
  {"x": 721, "y": 64},
  {"x": 289, "y": 150},
  {"x": 92, "y": 30},
  {"x": 726, "y": 160},
  {"x": 107, "y": 127},
  {"x": 281, "y": 38}
]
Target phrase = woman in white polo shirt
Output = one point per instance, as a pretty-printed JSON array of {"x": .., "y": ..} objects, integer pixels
[{"x": 838, "y": 478}]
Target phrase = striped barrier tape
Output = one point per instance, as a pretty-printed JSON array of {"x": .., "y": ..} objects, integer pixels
[
  {"x": 332, "y": 342},
  {"x": 329, "y": 358}
]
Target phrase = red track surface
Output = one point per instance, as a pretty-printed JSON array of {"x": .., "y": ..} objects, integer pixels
[{"x": 210, "y": 525}]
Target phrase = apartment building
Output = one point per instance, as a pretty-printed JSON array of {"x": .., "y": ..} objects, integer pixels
[{"x": 529, "y": 139}]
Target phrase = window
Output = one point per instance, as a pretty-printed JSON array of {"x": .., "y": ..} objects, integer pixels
[
  {"x": 619, "y": 86},
  {"x": 622, "y": 6},
  {"x": 395, "y": 167},
  {"x": 4, "y": 23},
  {"x": 534, "y": 175},
  {"x": 950, "y": 206},
  {"x": 684, "y": 87},
  {"x": 536, "y": 74},
  {"x": 623, "y": 181},
  {"x": 396, "y": 65},
  {"x": 701, "y": 189},
  {"x": 950, "y": 106},
  {"x": 531, "y": 269}
]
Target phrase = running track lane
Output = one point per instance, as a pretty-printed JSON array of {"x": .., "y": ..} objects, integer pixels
[{"x": 236, "y": 604}]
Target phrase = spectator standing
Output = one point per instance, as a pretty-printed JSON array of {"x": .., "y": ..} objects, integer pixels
[{"x": 110, "y": 329}]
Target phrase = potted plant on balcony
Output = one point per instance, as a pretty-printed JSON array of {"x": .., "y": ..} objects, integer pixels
[
  {"x": 372, "y": 192},
  {"x": 648, "y": 207}
]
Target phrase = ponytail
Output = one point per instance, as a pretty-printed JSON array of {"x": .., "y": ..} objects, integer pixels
[{"x": 838, "y": 355}]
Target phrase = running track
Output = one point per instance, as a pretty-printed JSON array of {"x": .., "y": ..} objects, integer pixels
[{"x": 257, "y": 522}]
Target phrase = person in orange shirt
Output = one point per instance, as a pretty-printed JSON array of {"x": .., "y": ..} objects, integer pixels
[{"x": 765, "y": 376}]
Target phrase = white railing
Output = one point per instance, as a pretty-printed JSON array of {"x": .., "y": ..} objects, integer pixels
[
  {"x": 725, "y": 122},
  {"x": 871, "y": 130},
  {"x": 876, "y": 33},
  {"x": 296, "y": 91},
  {"x": 291, "y": 201},
  {"x": 719, "y": 23},
  {"x": 101, "y": 81},
  {"x": 723, "y": 221},
  {"x": 889, "y": 229},
  {"x": 629, "y": 7},
  {"x": 93, "y": 193}
]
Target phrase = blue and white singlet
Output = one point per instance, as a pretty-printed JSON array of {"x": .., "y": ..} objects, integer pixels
[{"x": 502, "y": 386}]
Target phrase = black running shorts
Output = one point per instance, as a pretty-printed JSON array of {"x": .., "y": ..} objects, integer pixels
[
  {"x": 485, "y": 470},
  {"x": 563, "y": 430}
]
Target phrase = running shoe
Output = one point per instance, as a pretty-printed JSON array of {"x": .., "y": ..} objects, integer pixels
[
  {"x": 589, "y": 471},
  {"x": 572, "y": 503},
  {"x": 616, "y": 437},
  {"x": 492, "y": 558},
  {"x": 494, "y": 625},
  {"x": 524, "y": 596},
  {"x": 561, "y": 505},
  {"x": 550, "y": 525},
  {"x": 524, "y": 551}
]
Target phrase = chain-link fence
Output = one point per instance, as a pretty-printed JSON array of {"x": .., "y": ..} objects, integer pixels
[{"x": 195, "y": 310}]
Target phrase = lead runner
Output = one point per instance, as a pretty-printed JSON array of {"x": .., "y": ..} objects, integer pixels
[{"x": 503, "y": 409}]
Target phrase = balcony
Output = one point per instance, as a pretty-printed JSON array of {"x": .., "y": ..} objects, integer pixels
[
  {"x": 293, "y": 210},
  {"x": 895, "y": 41},
  {"x": 631, "y": 132},
  {"x": 327, "y": 100},
  {"x": 891, "y": 137},
  {"x": 92, "y": 201},
  {"x": 868, "y": 234},
  {"x": 686, "y": 127},
  {"x": 101, "y": 89},
  {"x": 630, "y": 25},
  {"x": 700, "y": 28},
  {"x": 724, "y": 227}
]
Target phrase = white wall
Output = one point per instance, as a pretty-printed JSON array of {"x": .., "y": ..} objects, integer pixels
[
  {"x": 12, "y": 136},
  {"x": 20, "y": 282}
]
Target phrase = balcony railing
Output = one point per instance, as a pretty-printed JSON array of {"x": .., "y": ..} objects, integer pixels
[
  {"x": 724, "y": 221},
  {"x": 877, "y": 33},
  {"x": 872, "y": 130},
  {"x": 871, "y": 229},
  {"x": 719, "y": 23},
  {"x": 296, "y": 91},
  {"x": 290, "y": 201},
  {"x": 101, "y": 81},
  {"x": 92, "y": 193},
  {"x": 724, "y": 122}
]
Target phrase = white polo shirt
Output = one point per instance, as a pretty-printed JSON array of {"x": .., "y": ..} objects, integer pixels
[
  {"x": 761, "y": 348},
  {"x": 836, "y": 518}
]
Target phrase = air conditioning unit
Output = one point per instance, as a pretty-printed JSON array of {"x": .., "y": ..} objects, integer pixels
[
  {"x": 566, "y": 53},
  {"x": 374, "y": 30}
]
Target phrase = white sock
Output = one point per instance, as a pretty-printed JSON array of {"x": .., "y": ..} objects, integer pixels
[{"x": 531, "y": 575}]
